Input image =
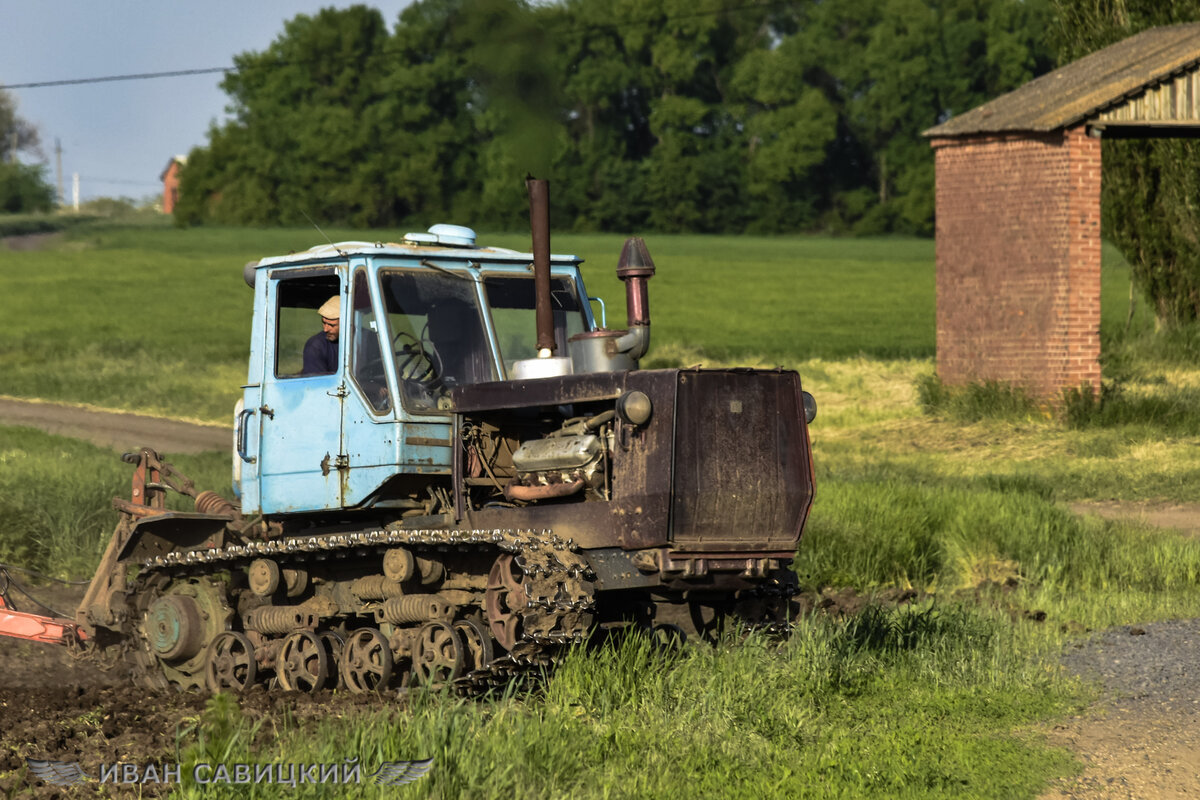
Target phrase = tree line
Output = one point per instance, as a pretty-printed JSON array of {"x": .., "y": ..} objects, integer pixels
[
  {"x": 670, "y": 115},
  {"x": 23, "y": 187}
]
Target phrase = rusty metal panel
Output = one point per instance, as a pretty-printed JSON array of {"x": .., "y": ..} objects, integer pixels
[
  {"x": 742, "y": 464},
  {"x": 172, "y": 531},
  {"x": 497, "y": 395},
  {"x": 642, "y": 463}
]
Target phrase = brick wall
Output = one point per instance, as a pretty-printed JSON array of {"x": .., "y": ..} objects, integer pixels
[
  {"x": 170, "y": 180},
  {"x": 1018, "y": 260}
]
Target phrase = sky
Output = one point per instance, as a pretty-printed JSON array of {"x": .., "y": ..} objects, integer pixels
[{"x": 120, "y": 136}]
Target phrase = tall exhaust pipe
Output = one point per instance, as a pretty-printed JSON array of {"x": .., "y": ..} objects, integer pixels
[
  {"x": 539, "y": 226},
  {"x": 635, "y": 267}
]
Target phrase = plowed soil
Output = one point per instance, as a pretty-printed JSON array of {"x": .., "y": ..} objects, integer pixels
[{"x": 55, "y": 707}]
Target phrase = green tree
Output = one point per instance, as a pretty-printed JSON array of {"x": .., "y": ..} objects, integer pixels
[
  {"x": 697, "y": 115},
  {"x": 1150, "y": 188},
  {"x": 597, "y": 170},
  {"x": 895, "y": 68},
  {"x": 297, "y": 144},
  {"x": 23, "y": 187},
  {"x": 791, "y": 127},
  {"x": 685, "y": 56},
  {"x": 424, "y": 116},
  {"x": 14, "y": 129}
]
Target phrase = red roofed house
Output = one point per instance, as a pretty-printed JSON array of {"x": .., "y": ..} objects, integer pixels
[{"x": 170, "y": 181}]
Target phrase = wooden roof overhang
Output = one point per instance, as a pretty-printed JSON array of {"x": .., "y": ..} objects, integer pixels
[{"x": 1145, "y": 86}]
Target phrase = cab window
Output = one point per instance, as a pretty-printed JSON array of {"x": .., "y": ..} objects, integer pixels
[
  {"x": 511, "y": 300},
  {"x": 366, "y": 355},
  {"x": 299, "y": 328}
]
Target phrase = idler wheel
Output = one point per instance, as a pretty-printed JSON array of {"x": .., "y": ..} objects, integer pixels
[
  {"x": 366, "y": 661},
  {"x": 399, "y": 564},
  {"x": 477, "y": 644},
  {"x": 263, "y": 577},
  {"x": 174, "y": 628},
  {"x": 231, "y": 663},
  {"x": 438, "y": 656},
  {"x": 506, "y": 600},
  {"x": 302, "y": 664}
]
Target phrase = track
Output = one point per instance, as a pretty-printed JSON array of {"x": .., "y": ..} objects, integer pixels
[{"x": 121, "y": 431}]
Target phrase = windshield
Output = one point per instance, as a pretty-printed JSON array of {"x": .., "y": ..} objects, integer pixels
[
  {"x": 437, "y": 334},
  {"x": 511, "y": 299}
]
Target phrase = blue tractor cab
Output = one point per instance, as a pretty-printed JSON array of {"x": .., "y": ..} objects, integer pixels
[{"x": 418, "y": 319}]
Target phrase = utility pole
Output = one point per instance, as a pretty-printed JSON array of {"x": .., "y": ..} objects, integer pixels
[
  {"x": 75, "y": 190},
  {"x": 58, "y": 167}
]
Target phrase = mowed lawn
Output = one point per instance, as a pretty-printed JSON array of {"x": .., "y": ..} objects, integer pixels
[{"x": 158, "y": 320}]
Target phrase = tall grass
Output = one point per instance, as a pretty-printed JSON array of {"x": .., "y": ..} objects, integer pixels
[
  {"x": 56, "y": 512},
  {"x": 895, "y": 703},
  {"x": 948, "y": 533}
]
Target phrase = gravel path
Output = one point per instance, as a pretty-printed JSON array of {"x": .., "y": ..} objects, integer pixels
[{"x": 1143, "y": 743}]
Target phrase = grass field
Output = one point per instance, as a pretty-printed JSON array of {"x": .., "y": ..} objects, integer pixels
[
  {"x": 930, "y": 701},
  {"x": 158, "y": 320}
]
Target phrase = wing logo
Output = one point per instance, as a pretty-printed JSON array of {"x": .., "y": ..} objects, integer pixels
[
  {"x": 58, "y": 773},
  {"x": 398, "y": 773}
]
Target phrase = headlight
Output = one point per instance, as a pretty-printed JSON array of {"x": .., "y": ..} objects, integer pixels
[{"x": 634, "y": 407}]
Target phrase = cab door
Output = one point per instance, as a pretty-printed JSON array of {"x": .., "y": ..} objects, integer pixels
[{"x": 300, "y": 420}]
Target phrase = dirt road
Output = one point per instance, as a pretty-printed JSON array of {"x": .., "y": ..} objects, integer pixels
[{"x": 118, "y": 430}]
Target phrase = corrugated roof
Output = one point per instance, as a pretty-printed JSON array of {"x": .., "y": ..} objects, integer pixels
[{"x": 1072, "y": 93}]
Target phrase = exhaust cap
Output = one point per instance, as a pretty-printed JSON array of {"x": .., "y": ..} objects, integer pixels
[{"x": 635, "y": 260}]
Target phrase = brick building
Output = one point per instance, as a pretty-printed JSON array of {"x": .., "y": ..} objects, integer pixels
[
  {"x": 1018, "y": 209},
  {"x": 170, "y": 182}
]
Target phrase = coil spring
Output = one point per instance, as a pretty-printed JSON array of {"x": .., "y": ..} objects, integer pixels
[
  {"x": 280, "y": 619},
  {"x": 376, "y": 587},
  {"x": 416, "y": 608},
  {"x": 208, "y": 502}
]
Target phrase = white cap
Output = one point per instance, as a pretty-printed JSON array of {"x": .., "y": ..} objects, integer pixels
[{"x": 332, "y": 308}]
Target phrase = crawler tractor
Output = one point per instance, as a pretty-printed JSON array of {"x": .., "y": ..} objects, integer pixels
[{"x": 485, "y": 478}]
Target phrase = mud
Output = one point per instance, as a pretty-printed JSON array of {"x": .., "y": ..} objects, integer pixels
[{"x": 56, "y": 707}]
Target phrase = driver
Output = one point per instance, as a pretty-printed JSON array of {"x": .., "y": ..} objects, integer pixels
[{"x": 321, "y": 349}]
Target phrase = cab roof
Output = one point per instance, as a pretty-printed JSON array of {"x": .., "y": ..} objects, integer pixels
[
  {"x": 452, "y": 242},
  {"x": 346, "y": 249}
]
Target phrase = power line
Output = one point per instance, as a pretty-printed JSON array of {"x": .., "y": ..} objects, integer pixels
[{"x": 140, "y": 76}]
